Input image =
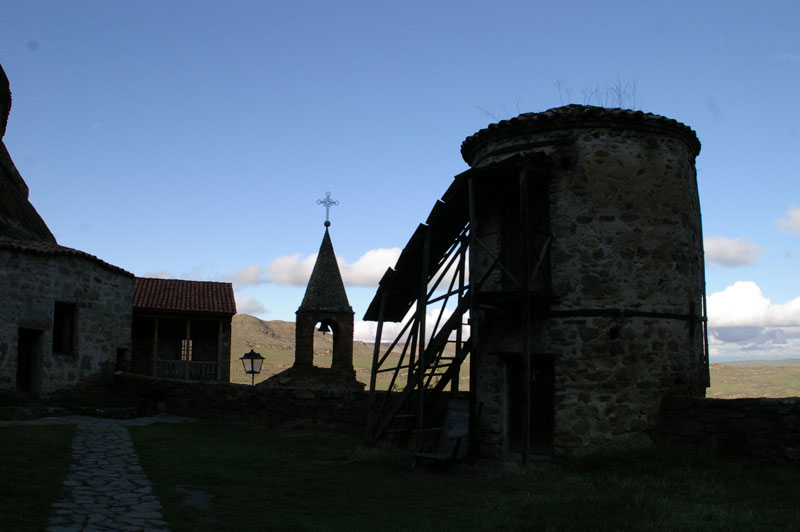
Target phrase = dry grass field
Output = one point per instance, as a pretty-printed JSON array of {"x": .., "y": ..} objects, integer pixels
[
  {"x": 275, "y": 341},
  {"x": 763, "y": 378}
]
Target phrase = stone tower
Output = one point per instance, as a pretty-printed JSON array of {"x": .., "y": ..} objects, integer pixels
[
  {"x": 325, "y": 303},
  {"x": 620, "y": 322},
  {"x": 324, "y": 309},
  {"x": 585, "y": 295}
]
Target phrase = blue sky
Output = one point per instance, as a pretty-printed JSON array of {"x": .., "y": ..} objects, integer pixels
[{"x": 193, "y": 140}]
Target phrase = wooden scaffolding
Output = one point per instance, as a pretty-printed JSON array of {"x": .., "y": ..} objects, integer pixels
[{"x": 440, "y": 292}]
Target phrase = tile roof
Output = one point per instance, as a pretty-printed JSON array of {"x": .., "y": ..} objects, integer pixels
[
  {"x": 49, "y": 248},
  {"x": 183, "y": 296}
]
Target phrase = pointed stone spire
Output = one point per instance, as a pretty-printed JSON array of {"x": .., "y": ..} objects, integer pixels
[{"x": 325, "y": 291}]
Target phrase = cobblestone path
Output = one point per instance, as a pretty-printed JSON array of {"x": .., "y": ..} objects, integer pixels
[{"x": 106, "y": 489}]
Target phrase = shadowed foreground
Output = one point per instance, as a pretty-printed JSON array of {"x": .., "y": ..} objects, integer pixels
[{"x": 220, "y": 477}]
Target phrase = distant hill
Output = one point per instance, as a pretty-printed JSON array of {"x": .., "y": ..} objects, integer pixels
[
  {"x": 275, "y": 341},
  {"x": 249, "y": 332}
]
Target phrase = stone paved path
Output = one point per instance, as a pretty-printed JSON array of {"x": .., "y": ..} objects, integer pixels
[{"x": 106, "y": 489}]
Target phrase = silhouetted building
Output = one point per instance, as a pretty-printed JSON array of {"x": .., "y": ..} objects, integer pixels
[
  {"x": 65, "y": 315},
  {"x": 324, "y": 308},
  {"x": 182, "y": 329},
  {"x": 575, "y": 250}
]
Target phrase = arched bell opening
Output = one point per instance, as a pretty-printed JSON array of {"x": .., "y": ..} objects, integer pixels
[
  {"x": 326, "y": 332},
  {"x": 324, "y": 340}
]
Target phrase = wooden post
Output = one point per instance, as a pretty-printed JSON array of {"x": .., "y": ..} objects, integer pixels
[
  {"x": 188, "y": 361},
  {"x": 221, "y": 359},
  {"x": 524, "y": 228},
  {"x": 154, "y": 353},
  {"x": 474, "y": 330}
]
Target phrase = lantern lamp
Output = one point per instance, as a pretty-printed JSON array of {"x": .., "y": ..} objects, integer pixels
[{"x": 252, "y": 362}]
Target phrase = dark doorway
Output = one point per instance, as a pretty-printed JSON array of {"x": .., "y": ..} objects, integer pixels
[
  {"x": 28, "y": 342},
  {"x": 144, "y": 337},
  {"x": 542, "y": 404},
  {"x": 541, "y": 407}
]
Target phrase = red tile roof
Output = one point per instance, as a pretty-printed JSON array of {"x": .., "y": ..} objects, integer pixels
[
  {"x": 183, "y": 296},
  {"x": 49, "y": 248}
]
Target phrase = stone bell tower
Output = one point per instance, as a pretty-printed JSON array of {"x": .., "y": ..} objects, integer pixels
[
  {"x": 325, "y": 303},
  {"x": 324, "y": 308}
]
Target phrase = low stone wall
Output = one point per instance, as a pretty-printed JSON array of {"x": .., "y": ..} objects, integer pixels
[
  {"x": 270, "y": 407},
  {"x": 761, "y": 429}
]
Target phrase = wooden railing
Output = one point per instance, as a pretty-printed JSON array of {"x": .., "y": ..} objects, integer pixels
[{"x": 187, "y": 369}]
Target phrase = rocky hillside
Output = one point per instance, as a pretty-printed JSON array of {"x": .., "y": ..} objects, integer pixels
[
  {"x": 249, "y": 332},
  {"x": 275, "y": 341}
]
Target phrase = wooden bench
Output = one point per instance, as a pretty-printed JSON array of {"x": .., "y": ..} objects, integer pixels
[{"x": 448, "y": 443}]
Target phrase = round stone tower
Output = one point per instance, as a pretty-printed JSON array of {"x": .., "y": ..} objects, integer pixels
[{"x": 616, "y": 315}]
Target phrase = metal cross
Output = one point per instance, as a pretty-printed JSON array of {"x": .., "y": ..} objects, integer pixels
[{"x": 328, "y": 202}]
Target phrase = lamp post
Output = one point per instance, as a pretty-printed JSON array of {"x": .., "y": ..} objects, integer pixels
[{"x": 252, "y": 364}]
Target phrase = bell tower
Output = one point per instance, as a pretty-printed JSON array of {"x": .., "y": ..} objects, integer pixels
[{"x": 325, "y": 302}]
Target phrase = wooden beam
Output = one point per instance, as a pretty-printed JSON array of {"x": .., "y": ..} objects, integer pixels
[
  {"x": 373, "y": 378},
  {"x": 422, "y": 309}
]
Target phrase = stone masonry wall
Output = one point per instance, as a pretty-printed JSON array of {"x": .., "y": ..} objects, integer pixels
[
  {"x": 627, "y": 244},
  {"x": 761, "y": 429},
  {"x": 30, "y": 284},
  {"x": 271, "y": 407}
]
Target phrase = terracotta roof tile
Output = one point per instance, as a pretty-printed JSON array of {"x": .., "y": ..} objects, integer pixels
[{"x": 183, "y": 296}]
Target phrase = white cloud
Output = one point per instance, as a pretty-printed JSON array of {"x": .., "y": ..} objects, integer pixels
[
  {"x": 744, "y": 305},
  {"x": 292, "y": 269},
  {"x": 161, "y": 274},
  {"x": 744, "y": 324},
  {"x": 247, "y": 276},
  {"x": 366, "y": 271},
  {"x": 295, "y": 270},
  {"x": 370, "y": 267},
  {"x": 248, "y": 305},
  {"x": 790, "y": 223},
  {"x": 366, "y": 330},
  {"x": 731, "y": 252}
]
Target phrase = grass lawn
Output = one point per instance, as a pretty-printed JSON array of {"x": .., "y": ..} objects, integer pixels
[
  {"x": 226, "y": 478},
  {"x": 33, "y": 462}
]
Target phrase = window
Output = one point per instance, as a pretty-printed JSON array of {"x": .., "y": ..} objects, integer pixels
[
  {"x": 64, "y": 328},
  {"x": 186, "y": 349}
]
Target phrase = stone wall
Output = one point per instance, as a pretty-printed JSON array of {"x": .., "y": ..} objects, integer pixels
[
  {"x": 764, "y": 429},
  {"x": 622, "y": 321},
  {"x": 33, "y": 278},
  {"x": 271, "y": 407}
]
